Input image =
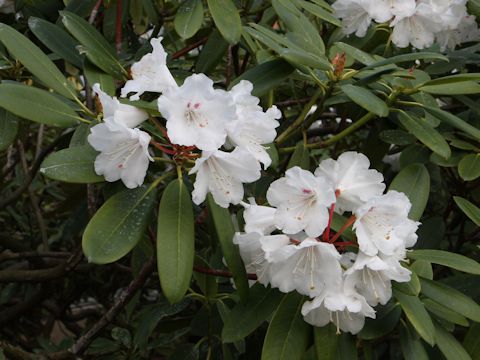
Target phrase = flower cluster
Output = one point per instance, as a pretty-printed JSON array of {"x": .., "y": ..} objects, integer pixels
[
  {"x": 290, "y": 245},
  {"x": 420, "y": 23},
  {"x": 198, "y": 116}
]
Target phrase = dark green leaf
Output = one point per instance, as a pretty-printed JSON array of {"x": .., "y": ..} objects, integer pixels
[
  {"x": 469, "y": 167},
  {"x": 445, "y": 258},
  {"x": 287, "y": 335},
  {"x": 225, "y": 232},
  {"x": 72, "y": 165},
  {"x": 413, "y": 181},
  {"x": 407, "y": 58},
  {"x": 326, "y": 342},
  {"x": 472, "y": 211},
  {"x": 96, "y": 76},
  {"x": 189, "y": 18},
  {"x": 118, "y": 225},
  {"x": 449, "y": 346},
  {"x": 357, "y": 54},
  {"x": 36, "y": 105},
  {"x": 457, "y": 88},
  {"x": 320, "y": 12},
  {"x": 386, "y": 320},
  {"x": 175, "y": 241},
  {"x": 396, "y": 137},
  {"x": 8, "y": 128},
  {"x": 211, "y": 54},
  {"x": 366, "y": 99},
  {"x": 454, "y": 121},
  {"x": 294, "y": 57},
  {"x": 226, "y": 17},
  {"x": 471, "y": 342},
  {"x": 445, "y": 313},
  {"x": 300, "y": 157},
  {"x": 410, "y": 288},
  {"x": 412, "y": 348}
]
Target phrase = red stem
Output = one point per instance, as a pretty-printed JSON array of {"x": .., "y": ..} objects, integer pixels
[
  {"x": 326, "y": 234},
  {"x": 345, "y": 226},
  {"x": 187, "y": 49},
  {"x": 94, "y": 12}
]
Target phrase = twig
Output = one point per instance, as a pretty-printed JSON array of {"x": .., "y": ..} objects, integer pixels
[
  {"x": 118, "y": 29},
  {"x": 221, "y": 273},
  {"x": 8, "y": 255},
  {"x": 188, "y": 48},
  {"x": 229, "y": 70},
  {"x": 94, "y": 12}
]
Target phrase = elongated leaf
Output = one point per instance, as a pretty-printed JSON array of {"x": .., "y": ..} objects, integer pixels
[
  {"x": 303, "y": 58},
  {"x": 417, "y": 315},
  {"x": 226, "y": 17},
  {"x": 73, "y": 165},
  {"x": 449, "y": 346},
  {"x": 444, "y": 313},
  {"x": 36, "y": 105},
  {"x": 412, "y": 348},
  {"x": 266, "y": 76},
  {"x": 287, "y": 334},
  {"x": 471, "y": 342},
  {"x": 454, "y": 88},
  {"x": 410, "y": 288},
  {"x": 56, "y": 39},
  {"x": 95, "y": 46},
  {"x": 423, "y": 268},
  {"x": 35, "y": 61},
  {"x": 386, "y": 320},
  {"x": 472, "y": 211},
  {"x": 8, "y": 128},
  {"x": 175, "y": 241},
  {"x": 454, "y": 121},
  {"x": 300, "y": 157},
  {"x": 451, "y": 298},
  {"x": 357, "y": 54},
  {"x": 320, "y": 12},
  {"x": 225, "y": 232},
  {"x": 366, "y": 99},
  {"x": 118, "y": 225},
  {"x": 469, "y": 167},
  {"x": 189, "y": 18},
  {"x": 246, "y": 317},
  {"x": 211, "y": 54},
  {"x": 96, "y": 76},
  {"x": 426, "y": 134},
  {"x": 445, "y": 258},
  {"x": 407, "y": 58},
  {"x": 413, "y": 181},
  {"x": 326, "y": 342},
  {"x": 453, "y": 79}
]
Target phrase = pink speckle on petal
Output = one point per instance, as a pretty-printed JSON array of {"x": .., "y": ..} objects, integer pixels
[
  {"x": 120, "y": 166},
  {"x": 196, "y": 105},
  {"x": 306, "y": 191}
]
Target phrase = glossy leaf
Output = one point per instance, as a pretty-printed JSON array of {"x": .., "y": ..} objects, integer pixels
[
  {"x": 426, "y": 134},
  {"x": 287, "y": 335},
  {"x": 118, "y": 225},
  {"x": 469, "y": 167},
  {"x": 36, "y": 105},
  {"x": 320, "y": 12},
  {"x": 35, "y": 61},
  {"x": 246, "y": 317},
  {"x": 451, "y": 298},
  {"x": 445, "y": 313},
  {"x": 449, "y": 346},
  {"x": 407, "y": 58},
  {"x": 445, "y": 258},
  {"x": 8, "y": 128},
  {"x": 454, "y": 88},
  {"x": 454, "y": 121},
  {"x": 471, "y": 210},
  {"x": 72, "y": 165},
  {"x": 412, "y": 348},
  {"x": 225, "y": 232},
  {"x": 227, "y": 19},
  {"x": 366, "y": 99},
  {"x": 417, "y": 315},
  {"x": 189, "y": 18},
  {"x": 413, "y": 181},
  {"x": 175, "y": 241}
]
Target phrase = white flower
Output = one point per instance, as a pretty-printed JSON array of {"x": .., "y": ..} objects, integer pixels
[
  {"x": 355, "y": 16},
  {"x": 222, "y": 174},
  {"x": 123, "y": 152},
  {"x": 150, "y": 73},
  {"x": 466, "y": 31},
  {"x": 196, "y": 113},
  {"x": 123, "y": 114},
  {"x": 384, "y": 10},
  {"x": 351, "y": 177},
  {"x": 382, "y": 224},
  {"x": 342, "y": 306},
  {"x": 253, "y": 127},
  {"x": 7, "y": 6},
  {"x": 260, "y": 219},
  {"x": 371, "y": 276},
  {"x": 301, "y": 200},
  {"x": 308, "y": 267}
]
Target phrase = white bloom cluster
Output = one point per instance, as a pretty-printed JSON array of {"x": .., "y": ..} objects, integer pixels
[
  {"x": 197, "y": 116},
  {"x": 289, "y": 245},
  {"x": 416, "y": 22}
]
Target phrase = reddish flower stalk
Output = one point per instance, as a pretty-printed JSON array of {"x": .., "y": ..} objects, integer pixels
[{"x": 345, "y": 226}]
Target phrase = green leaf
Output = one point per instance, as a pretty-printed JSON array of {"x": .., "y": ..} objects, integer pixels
[
  {"x": 471, "y": 342},
  {"x": 294, "y": 57},
  {"x": 413, "y": 181},
  {"x": 449, "y": 346},
  {"x": 300, "y": 157},
  {"x": 396, "y": 137},
  {"x": 454, "y": 79},
  {"x": 320, "y": 12},
  {"x": 451, "y": 298},
  {"x": 227, "y": 19},
  {"x": 118, "y": 225},
  {"x": 386, "y": 320},
  {"x": 454, "y": 121},
  {"x": 189, "y": 18},
  {"x": 96, "y": 76},
  {"x": 326, "y": 342},
  {"x": 357, "y": 54},
  {"x": 8, "y": 128},
  {"x": 366, "y": 99},
  {"x": 211, "y": 54},
  {"x": 175, "y": 241},
  {"x": 56, "y": 39},
  {"x": 469, "y": 167},
  {"x": 36, "y": 105},
  {"x": 412, "y": 348},
  {"x": 288, "y": 334},
  {"x": 95, "y": 46},
  {"x": 417, "y": 315},
  {"x": 410, "y": 288},
  {"x": 445, "y": 258},
  {"x": 445, "y": 313},
  {"x": 266, "y": 76},
  {"x": 425, "y": 133},
  {"x": 246, "y": 317},
  {"x": 35, "y": 61},
  {"x": 456, "y": 88},
  {"x": 472, "y": 211},
  {"x": 225, "y": 232},
  {"x": 408, "y": 58},
  {"x": 72, "y": 165}
]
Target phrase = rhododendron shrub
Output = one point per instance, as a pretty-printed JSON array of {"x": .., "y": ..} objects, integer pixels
[{"x": 228, "y": 179}]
